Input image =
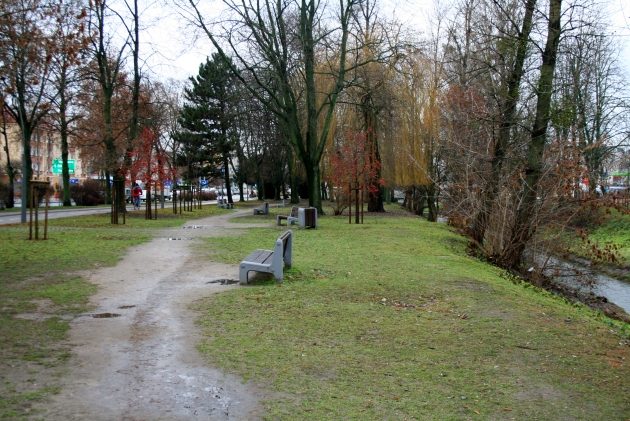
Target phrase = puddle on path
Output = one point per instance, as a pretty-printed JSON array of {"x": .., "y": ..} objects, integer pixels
[
  {"x": 223, "y": 281},
  {"x": 104, "y": 315}
]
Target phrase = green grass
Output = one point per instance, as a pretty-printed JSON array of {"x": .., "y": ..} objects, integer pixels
[
  {"x": 615, "y": 230},
  {"x": 388, "y": 320},
  {"x": 391, "y": 320},
  {"x": 40, "y": 292},
  {"x": 609, "y": 237}
]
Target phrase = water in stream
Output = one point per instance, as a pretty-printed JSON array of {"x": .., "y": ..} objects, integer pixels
[{"x": 616, "y": 291}]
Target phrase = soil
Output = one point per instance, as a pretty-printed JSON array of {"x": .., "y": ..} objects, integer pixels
[{"x": 135, "y": 357}]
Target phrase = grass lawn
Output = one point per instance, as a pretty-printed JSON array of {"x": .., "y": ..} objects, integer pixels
[
  {"x": 41, "y": 290},
  {"x": 611, "y": 234},
  {"x": 386, "y": 320},
  {"x": 391, "y": 320},
  {"x": 615, "y": 230}
]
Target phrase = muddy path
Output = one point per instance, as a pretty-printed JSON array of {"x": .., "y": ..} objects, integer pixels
[{"x": 138, "y": 361}]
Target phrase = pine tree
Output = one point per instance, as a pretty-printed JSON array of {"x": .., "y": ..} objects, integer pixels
[{"x": 208, "y": 121}]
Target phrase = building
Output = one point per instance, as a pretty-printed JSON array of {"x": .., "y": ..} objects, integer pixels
[{"x": 45, "y": 152}]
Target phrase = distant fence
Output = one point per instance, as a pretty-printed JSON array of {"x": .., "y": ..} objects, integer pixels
[{"x": 620, "y": 199}]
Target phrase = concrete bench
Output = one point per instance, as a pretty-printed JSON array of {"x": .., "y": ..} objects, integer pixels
[
  {"x": 224, "y": 204},
  {"x": 291, "y": 219},
  {"x": 262, "y": 211},
  {"x": 269, "y": 261}
]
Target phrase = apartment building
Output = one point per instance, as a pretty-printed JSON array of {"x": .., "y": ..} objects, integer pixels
[{"x": 45, "y": 155}]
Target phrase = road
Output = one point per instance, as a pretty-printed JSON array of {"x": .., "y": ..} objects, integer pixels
[
  {"x": 13, "y": 217},
  {"x": 54, "y": 212}
]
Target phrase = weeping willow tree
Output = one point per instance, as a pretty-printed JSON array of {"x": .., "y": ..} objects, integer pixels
[
  {"x": 362, "y": 111},
  {"x": 410, "y": 155},
  {"x": 365, "y": 105}
]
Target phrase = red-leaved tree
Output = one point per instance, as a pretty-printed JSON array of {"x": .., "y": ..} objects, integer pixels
[
  {"x": 352, "y": 168},
  {"x": 149, "y": 161}
]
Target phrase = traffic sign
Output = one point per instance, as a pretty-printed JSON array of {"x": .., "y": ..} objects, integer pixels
[{"x": 57, "y": 166}]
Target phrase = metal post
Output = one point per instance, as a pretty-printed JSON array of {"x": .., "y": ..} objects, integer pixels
[
  {"x": 362, "y": 199},
  {"x": 46, "y": 216},
  {"x": 155, "y": 204},
  {"x": 36, "y": 206},
  {"x": 30, "y": 219},
  {"x": 356, "y": 205}
]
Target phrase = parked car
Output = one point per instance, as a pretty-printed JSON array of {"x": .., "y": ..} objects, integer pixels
[
  {"x": 613, "y": 189},
  {"x": 168, "y": 195}
]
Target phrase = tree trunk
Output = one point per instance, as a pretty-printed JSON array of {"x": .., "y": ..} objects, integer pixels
[
  {"x": 313, "y": 186},
  {"x": 525, "y": 225},
  {"x": 10, "y": 203},
  {"x": 420, "y": 199},
  {"x": 228, "y": 184},
  {"x": 491, "y": 189},
  {"x": 27, "y": 170},
  {"x": 63, "y": 129},
  {"x": 432, "y": 202},
  {"x": 295, "y": 196},
  {"x": 134, "y": 123},
  {"x": 375, "y": 193}
]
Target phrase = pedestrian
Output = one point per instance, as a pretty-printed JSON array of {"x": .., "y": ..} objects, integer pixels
[{"x": 136, "y": 192}]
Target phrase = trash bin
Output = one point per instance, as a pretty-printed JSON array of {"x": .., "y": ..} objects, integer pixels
[{"x": 307, "y": 217}]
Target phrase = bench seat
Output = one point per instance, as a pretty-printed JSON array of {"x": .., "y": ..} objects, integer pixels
[
  {"x": 262, "y": 211},
  {"x": 291, "y": 219},
  {"x": 269, "y": 261},
  {"x": 261, "y": 257}
]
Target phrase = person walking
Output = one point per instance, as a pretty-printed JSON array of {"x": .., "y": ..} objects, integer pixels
[{"x": 136, "y": 192}]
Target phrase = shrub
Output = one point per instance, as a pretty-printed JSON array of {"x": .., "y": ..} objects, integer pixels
[
  {"x": 4, "y": 195},
  {"x": 87, "y": 194},
  {"x": 208, "y": 195}
]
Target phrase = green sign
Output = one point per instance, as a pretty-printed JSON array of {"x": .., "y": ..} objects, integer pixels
[{"x": 57, "y": 166}]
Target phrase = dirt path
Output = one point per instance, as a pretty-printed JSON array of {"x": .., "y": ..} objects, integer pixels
[{"x": 143, "y": 365}]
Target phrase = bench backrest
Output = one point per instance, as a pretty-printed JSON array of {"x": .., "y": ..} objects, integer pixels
[{"x": 282, "y": 249}]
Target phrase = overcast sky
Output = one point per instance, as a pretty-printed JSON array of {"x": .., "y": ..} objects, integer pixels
[{"x": 170, "y": 49}]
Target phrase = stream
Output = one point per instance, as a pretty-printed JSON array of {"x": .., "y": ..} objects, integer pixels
[{"x": 579, "y": 274}]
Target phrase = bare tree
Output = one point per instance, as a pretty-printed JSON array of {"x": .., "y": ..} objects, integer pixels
[
  {"x": 523, "y": 228},
  {"x": 107, "y": 75},
  {"x": 26, "y": 49},
  {"x": 72, "y": 39},
  {"x": 277, "y": 44},
  {"x": 590, "y": 106},
  {"x": 510, "y": 98}
]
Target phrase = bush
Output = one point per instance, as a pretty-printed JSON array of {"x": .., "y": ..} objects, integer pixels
[
  {"x": 208, "y": 195},
  {"x": 87, "y": 194},
  {"x": 4, "y": 195}
]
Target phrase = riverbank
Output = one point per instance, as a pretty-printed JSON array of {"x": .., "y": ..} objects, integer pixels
[
  {"x": 594, "y": 285},
  {"x": 579, "y": 280},
  {"x": 590, "y": 264}
]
